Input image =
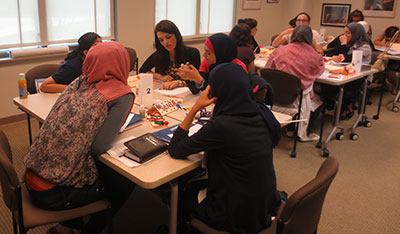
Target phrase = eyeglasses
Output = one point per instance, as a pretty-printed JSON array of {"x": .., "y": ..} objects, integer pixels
[{"x": 301, "y": 20}]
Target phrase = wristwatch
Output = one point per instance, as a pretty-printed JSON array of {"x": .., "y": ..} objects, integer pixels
[{"x": 180, "y": 83}]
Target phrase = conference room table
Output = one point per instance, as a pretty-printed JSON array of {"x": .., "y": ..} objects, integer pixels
[
  {"x": 395, "y": 108},
  {"x": 260, "y": 62},
  {"x": 361, "y": 117},
  {"x": 152, "y": 174}
]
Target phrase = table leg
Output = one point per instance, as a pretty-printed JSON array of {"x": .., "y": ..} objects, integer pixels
[
  {"x": 173, "y": 216},
  {"x": 336, "y": 126},
  {"x": 28, "y": 119},
  {"x": 381, "y": 96},
  {"x": 361, "y": 118}
]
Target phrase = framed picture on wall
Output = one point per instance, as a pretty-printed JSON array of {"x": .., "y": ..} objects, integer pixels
[
  {"x": 380, "y": 8},
  {"x": 336, "y": 15},
  {"x": 272, "y": 1},
  {"x": 251, "y": 4}
]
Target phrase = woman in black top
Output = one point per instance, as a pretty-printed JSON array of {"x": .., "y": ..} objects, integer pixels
[
  {"x": 241, "y": 35},
  {"x": 72, "y": 66},
  {"x": 238, "y": 141},
  {"x": 253, "y": 26},
  {"x": 170, "y": 54}
]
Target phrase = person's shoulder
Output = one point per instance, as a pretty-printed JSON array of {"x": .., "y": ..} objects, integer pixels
[{"x": 189, "y": 49}]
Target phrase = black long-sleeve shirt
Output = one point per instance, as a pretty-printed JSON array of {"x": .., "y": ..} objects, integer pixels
[
  {"x": 241, "y": 192},
  {"x": 192, "y": 56}
]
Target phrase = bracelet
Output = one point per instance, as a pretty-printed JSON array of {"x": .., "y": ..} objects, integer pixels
[{"x": 200, "y": 85}]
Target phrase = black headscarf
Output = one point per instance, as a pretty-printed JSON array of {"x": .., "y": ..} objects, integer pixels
[
  {"x": 224, "y": 47},
  {"x": 358, "y": 35},
  {"x": 302, "y": 33},
  {"x": 230, "y": 84}
]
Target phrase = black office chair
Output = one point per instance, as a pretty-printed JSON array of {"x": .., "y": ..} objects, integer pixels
[
  {"x": 287, "y": 89},
  {"x": 134, "y": 61}
]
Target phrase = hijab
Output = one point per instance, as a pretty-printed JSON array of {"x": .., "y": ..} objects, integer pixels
[
  {"x": 107, "y": 67},
  {"x": 225, "y": 51},
  {"x": 230, "y": 83},
  {"x": 358, "y": 35},
  {"x": 302, "y": 33}
]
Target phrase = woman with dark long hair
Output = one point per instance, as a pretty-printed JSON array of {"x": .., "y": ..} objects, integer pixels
[
  {"x": 253, "y": 30},
  {"x": 170, "y": 53},
  {"x": 72, "y": 66},
  {"x": 241, "y": 35}
]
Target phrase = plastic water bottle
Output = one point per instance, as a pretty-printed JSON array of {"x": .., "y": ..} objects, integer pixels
[{"x": 23, "y": 92}]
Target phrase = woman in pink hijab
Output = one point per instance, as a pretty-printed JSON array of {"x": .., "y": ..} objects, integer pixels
[
  {"x": 300, "y": 58},
  {"x": 61, "y": 170}
]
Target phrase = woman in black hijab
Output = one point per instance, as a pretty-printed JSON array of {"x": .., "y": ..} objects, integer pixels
[
  {"x": 238, "y": 141},
  {"x": 218, "y": 48}
]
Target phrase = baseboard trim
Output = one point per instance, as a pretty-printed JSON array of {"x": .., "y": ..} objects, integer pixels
[{"x": 12, "y": 119}]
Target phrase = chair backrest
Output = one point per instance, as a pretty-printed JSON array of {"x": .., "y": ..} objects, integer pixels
[
  {"x": 286, "y": 86},
  {"x": 302, "y": 210},
  {"x": 38, "y": 72},
  {"x": 8, "y": 176},
  {"x": 264, "y": 92},
  {"x": 133, "y": 59}
]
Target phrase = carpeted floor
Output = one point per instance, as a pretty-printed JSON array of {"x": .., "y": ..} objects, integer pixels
[{"x": 363, "y": 198}]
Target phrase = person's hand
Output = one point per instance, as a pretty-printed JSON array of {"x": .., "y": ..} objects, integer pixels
[
  {"x": 170, "y": 85},
  {"x": 337, "y": 58},
  {"x": 287, "y": 31},
  {"x": 343, "y": 39},
  {"x": 189, "y": 72},
  {"x": 205, "y": 99}
]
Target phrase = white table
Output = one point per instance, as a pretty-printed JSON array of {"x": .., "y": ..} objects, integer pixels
[
  {"x": 361, "y": 113},
  {"x": 150, "y": 175}
]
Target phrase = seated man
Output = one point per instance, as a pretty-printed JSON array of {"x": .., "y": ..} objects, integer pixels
[{"x": 284, "y": 37}]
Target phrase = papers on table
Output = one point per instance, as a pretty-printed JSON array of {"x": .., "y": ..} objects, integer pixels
[
  {"x": 260, "y": 62},
  {"x": 391, "y": 51},
  {"x": 172, "y": 92},
  {"x": 328, "y": 76},
  {"x": 117, "y": 151}
]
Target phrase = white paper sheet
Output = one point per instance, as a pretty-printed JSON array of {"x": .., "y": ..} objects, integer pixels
[{"x": 173, "y": 92}]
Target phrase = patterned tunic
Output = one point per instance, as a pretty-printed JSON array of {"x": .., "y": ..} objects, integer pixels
[{"x": 61, "y": 151}]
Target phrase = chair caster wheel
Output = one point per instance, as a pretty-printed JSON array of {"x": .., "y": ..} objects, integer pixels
[
  {"x": 293, "y": 154},
  {"x": 319, "y": 145},
  {"x": 376, "y": 117},
  {"x": 367, "y": 124},
  {"x": 395, "y": 109},
  {"x": 325, "y": 153},
  {"x": 354, "y": 136},
  {"x": 339, "y": 136}
]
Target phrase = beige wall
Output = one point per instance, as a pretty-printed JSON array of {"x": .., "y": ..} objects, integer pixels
[{"x": 135, "y": 23}]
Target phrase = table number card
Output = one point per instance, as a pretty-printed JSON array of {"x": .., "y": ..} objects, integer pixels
[
  {"x": 357, "y": 60},
  {"x": 146, "y": 89}
]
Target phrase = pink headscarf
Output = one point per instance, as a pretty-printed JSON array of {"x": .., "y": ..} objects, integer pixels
[{"x": 107, "y": 65}]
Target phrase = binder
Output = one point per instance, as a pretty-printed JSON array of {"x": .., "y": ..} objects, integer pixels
[{"x": 145, "y": 147}]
